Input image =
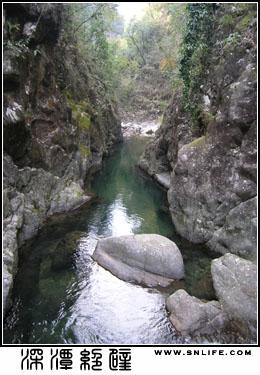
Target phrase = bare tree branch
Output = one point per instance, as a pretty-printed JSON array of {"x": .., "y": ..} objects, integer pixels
[
  {"x": 138, "y": 49},
  {"x": 93, "y": 15}
]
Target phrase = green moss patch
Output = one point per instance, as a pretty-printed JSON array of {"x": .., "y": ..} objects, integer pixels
[
  {"x": 198, "y": 141},
  {"x": 81, "y": 111},
  {"x": 84, "y": 121},
  {"x": 245, "y": 22},
  {"x": 84, "y": 151}
]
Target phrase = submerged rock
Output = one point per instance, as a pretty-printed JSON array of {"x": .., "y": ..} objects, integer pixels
[
  {"x": 149, "y": 259},
  {"x": 62, "y": 256},
  {"x": 235, "y": 282},
  {"x": 189, "y": 315}
]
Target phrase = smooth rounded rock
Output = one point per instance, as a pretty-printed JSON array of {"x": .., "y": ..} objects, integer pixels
[{"x": 145, "y": 258}]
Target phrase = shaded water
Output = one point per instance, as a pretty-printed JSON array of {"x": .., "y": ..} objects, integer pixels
[{"x": 61, "y": 296}]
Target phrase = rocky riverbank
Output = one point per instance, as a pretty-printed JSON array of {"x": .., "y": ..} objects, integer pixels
[
  {"x": 210, "y": 166},
  {"x": 58, "y": 126},
  {"x": 153, "y": 260}
]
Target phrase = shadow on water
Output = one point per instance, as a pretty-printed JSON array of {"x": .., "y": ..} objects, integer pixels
[{"x": 61, "y": 296}]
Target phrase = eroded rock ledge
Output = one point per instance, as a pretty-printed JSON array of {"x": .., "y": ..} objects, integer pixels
[{"x": 148, "y": 259}]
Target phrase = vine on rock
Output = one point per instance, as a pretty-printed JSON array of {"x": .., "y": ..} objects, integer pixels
[{"x": 195, "y": 48}]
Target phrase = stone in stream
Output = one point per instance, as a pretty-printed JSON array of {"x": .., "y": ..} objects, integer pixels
[
  {"x": 148, "y": 259},
  {"x": 189, "y": 315}
]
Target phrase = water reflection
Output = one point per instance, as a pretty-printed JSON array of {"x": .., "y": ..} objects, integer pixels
[
  {"x": 61, "y": 296},
  {"x": 110, "y": 311},
  {"x": 120, "y": 223}
]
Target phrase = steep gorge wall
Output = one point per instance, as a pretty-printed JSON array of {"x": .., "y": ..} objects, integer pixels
[
  {"x": 58, "y": 124},
  {"x": 212, "y": 165}
]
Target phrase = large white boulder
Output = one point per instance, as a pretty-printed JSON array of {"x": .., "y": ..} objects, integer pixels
[{"x": 144, "y": 258}]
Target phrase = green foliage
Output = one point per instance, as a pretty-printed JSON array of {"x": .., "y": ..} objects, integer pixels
[
  {"x": 149, "y": 49},
  {"x": 88, "y": 28},
  {"x": 36, "y": 52},
  {"x": 12, "y": 27},
  {"x": 195, "y": 48},
  {"x": 20, "y": 47},
  {"x": 156, "y": 35},
  {"x": 16, "y": 43},
  {"x": 233, "y": 38},
  {"x": 228, "y": 19},
  {"x": 119, "y": 59}
]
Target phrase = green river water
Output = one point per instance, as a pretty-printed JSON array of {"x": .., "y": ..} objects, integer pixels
[{"x": 61, "y": 296}]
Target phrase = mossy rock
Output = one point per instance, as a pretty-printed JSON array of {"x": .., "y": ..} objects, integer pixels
[
  {"x": 245, "y": 22},
  {"x": 53, "y": 291},
  {"x": 201, "y": 141},
  {"x": 84, "y": 121},
  {"x": 82, "y": 112},
  {"x": 84, "y": 151}
]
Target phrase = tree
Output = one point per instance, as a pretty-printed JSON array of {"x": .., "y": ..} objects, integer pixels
[{"x": 88, "y": 26}]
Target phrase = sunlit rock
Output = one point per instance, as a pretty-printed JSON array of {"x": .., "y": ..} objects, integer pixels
[
  {"x": 163, "y": 179},
  {"x": 148, "y": 259},
  {"x": 189, "y": 315}
]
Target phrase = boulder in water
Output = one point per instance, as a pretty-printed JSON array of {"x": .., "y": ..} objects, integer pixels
[
  {"x": 189, "y": 315},
  {"x": 148, "y": 259},
  {"x": 235, "y": 283}
]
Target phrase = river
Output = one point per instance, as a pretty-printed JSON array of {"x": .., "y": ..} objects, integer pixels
[{"x": 61, "y": 296}]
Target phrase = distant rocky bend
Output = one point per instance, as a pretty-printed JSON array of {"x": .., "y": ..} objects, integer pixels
[
  {"x": 212, "y": 165},
  {"x": 58, "y": 125}
]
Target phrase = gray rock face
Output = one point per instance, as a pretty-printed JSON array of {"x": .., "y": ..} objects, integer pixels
[
  {"x": 212, "y": 165},
  {"x": 239, "y": 232},
  {"x": 189, "y": 315},
  {"x": 235, "y": 283},
  {"x": 12, "y": 222},
  {"x": 56, "y": 128},
  {"x": 144, "y": 258}
]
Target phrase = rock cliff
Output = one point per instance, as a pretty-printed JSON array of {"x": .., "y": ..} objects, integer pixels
[
  {"x": 58, "y": 125},
  {"x": 211, "y": 164}
]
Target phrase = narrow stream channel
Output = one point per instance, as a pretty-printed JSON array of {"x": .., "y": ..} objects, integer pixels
[{"x": 61, "y": 296}]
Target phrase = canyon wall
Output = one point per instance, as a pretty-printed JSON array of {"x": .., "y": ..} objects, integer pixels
[
  {"x": 211, "y": 164},
  {"x": 58, "y": 125}
]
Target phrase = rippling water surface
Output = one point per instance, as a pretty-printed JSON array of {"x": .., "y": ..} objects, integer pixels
[{"x": 61, "y": 296}]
